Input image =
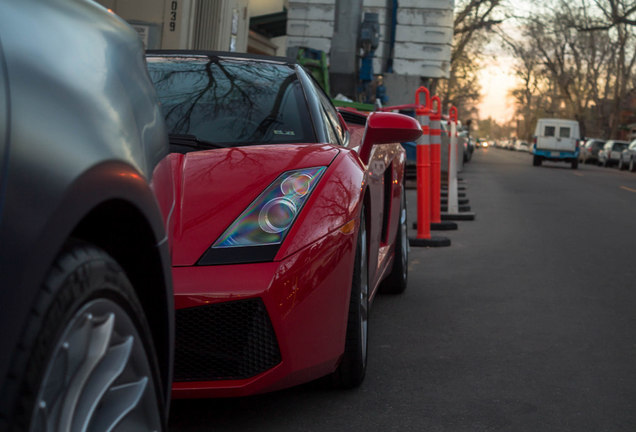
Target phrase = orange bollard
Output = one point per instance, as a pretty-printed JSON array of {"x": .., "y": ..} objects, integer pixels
[
  {"x": 423, "y": 167},
  {"x": 436, "y": 160}
]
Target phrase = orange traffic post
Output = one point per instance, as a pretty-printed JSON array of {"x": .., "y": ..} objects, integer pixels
[
  {"x": 423, "y": 167},
  {"x": 436, "y": 159},
  {"x": 423, "y": 172},
  {"x": 436, "y": 169}
]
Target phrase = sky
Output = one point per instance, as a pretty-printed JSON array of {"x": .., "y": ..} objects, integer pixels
[
  {"x": 496, "y": 78},
  {"x": 496, "y": 81}
]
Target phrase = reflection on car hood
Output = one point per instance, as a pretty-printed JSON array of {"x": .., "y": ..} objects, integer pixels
[{"x": 213, "y": 187}]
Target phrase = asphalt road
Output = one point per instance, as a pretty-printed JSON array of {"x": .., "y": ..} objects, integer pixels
[{"x": 526, "y": 323}]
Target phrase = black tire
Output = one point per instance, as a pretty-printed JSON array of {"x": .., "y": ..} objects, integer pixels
[
  {"x": 353, "y": 367},
  {"x": 575, "y": 163},
  {"x": 86, "y": 304},
  {"x": 632, "y": 165},
  {"x": 536, "y": 161},
  {"x": 396, "y": 281}
]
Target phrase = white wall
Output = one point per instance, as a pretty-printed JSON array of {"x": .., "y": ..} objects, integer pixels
[
  {"x": 423, "y": 39},
  {"x": 310, "y": 23},
  {"x": 192, "y": 24},
  {"x": 266, "y": 7}
]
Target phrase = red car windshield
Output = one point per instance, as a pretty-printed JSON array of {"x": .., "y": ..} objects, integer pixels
[{"x": 231, "y": 102}]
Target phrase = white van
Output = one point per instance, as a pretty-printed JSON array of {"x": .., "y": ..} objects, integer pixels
[{"x": 556, "y": 140}]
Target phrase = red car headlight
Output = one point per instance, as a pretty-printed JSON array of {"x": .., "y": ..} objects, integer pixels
[{"x": 258, "y": 232}]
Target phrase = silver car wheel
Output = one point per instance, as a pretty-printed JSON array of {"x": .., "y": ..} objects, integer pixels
[{"x": 97, "y": 376}]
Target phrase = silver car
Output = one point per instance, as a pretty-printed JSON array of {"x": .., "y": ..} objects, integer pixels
[
  {"x": 589, "y": 150},
  {"x": 628, "y": 158},
  {"x": 611, "y": 152}
]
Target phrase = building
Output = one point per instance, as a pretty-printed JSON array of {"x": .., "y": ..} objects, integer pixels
[{"x": 412, "y": 38}]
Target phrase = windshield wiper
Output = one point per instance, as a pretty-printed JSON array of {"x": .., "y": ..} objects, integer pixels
[{"x": 192, "y": 141}]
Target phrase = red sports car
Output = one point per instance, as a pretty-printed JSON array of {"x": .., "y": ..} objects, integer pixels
[{"x": 289, "y": 218}]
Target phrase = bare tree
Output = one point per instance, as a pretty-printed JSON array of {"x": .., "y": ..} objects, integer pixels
[
  {"x": 474, "y": 22},
  {"x": 567, "y": 71},
  {"x": 614, "y": 13}
]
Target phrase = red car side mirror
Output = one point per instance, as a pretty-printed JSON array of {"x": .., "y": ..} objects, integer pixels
[{"x": 387, "y": 128}]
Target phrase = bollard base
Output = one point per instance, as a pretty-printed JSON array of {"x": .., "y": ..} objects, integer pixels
[
  {"x": 460, "y": 201},
  {"x": 440, "y": 226},
  {"x": 434, "y": 241},
  {"x": 443, "y": 226},
  {"x": 461, "y": 208},
  {"x": 465, "y": 216}
]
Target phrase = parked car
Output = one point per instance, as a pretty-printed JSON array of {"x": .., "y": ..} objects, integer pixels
[
  {"x": 610, "y": 154},
  {"x": 469, "y": 145},
  {"x": 87, "y": 313},
  {"x": 556, "y": 140},
  {"x": 628, "y": 158},
  {"x": 589, "y": 150},
  {"x": 289, "y": 220},
  {"x": 521, "y": 146}
]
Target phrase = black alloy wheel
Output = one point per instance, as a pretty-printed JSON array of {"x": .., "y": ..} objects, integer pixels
[
  {"x": 396, "y": 281},
  {"x": 352, "y": 368}
]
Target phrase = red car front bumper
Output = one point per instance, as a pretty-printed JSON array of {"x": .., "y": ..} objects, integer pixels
[{"x": 225, "y": 344}]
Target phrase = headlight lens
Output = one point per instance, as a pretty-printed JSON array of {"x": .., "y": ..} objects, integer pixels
[{"x": 270, "y": 216}]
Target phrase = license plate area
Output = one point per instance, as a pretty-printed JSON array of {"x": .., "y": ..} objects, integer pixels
[{"x": 555, "y": 154}]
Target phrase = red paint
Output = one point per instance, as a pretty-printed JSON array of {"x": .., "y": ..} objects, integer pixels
[
  {"x": 215, "y": 186},
  {"x": 307, "y": 298},
  {"x": 384, "y": 128},
  {"x": 306, "y": 289}
]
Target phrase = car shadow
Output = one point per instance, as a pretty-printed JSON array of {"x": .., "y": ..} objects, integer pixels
[{"x": 243, "y": 413}]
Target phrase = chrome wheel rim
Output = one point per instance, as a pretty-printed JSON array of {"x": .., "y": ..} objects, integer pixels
[
  {"x": 364, "y": 292},
  {"x": 98, "y": 377}
]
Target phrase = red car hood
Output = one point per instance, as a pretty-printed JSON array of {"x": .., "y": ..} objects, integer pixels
[{"x": 213, "y": 187}]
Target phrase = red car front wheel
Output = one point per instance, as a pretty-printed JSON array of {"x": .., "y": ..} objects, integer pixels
[{"x": 352, "y": 368}]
